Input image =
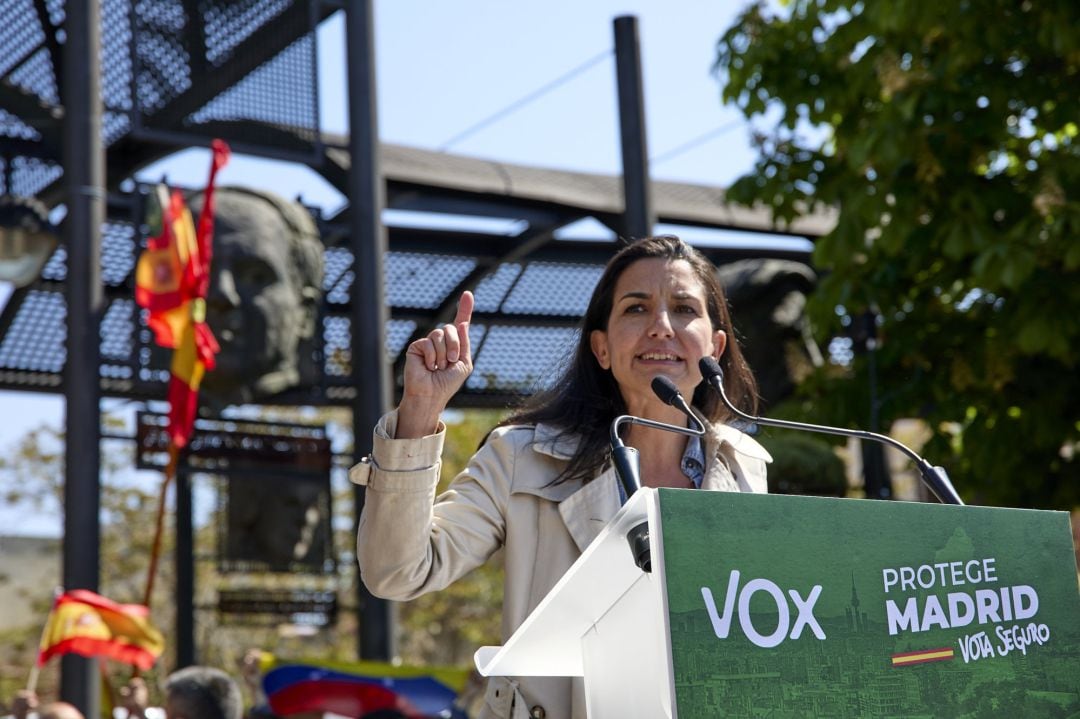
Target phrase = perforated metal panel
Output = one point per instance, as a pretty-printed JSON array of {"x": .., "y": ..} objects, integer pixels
[
  {"x": 20, "y": 32},
  {"x": 35, "y": 340},
  {"x": 116, "y": 86},
  {"x": 35, "y": 75},
  {"x": 548, "y": 288},
  {"x": 520, "y": 359},
  {"x": 227, "y": 61},
  {"x": 12, "y": 126},
  {"x": 423, "y": 281},
  {"x": 30, "y": 175},
  {"x": 491, "y": 290},
  {"x": 29, "y": 89},
  {"x": 172, "y": 71}
]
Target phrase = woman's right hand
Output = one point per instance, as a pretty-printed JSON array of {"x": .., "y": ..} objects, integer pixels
[{"x": 436, "y": 367}]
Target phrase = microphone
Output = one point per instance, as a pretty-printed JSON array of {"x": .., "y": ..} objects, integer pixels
[
  {"x": 668, "y": 393},
  {"x": 935, "y": 478},
  {"x": 627, "y": 461}
]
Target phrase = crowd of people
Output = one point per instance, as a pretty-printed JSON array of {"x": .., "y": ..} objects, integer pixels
[{"x": 195, "y": 692}]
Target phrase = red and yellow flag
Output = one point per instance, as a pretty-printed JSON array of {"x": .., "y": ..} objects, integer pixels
[
  {"x": 160, "y": 273},
  {"x": 86, "y": 623},
  {"x": 171, "y": 281}
]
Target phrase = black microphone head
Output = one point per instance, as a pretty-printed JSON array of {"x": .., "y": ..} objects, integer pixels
[
  {"x": 665, "y": 389},
  {"x": 710, "y": 368}
]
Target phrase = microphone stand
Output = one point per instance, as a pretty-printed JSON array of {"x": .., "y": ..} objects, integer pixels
[
  {"x": 627, "y": 460},
  {"x": 935, "y": 478}
]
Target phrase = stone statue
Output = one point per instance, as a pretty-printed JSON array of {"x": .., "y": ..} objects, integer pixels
[
  {"x": 265, "y": 292},
  {"x": 768, "y": 302},
  {"x": 768, "y": 308}
]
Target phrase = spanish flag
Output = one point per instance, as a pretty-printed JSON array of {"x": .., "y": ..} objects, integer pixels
[
  {"x": 86, "y": 623},
  {"x": 172, "y": 279},
  {"x": 162, "y": 269}
]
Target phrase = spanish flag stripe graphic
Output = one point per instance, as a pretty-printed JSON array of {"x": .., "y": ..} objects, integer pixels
[{"x": 922, "y": 656}]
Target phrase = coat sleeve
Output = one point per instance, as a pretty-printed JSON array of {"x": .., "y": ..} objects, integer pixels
[{"x": 410, "y": 542}]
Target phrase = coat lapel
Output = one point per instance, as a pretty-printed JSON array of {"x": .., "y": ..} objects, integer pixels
[
  {"x": 588, "y": 510},
  {"x": 585, "y": 508}
]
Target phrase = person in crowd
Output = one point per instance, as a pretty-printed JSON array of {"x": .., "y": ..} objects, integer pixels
[
  {"x": 542, "y": 485},
  {"x": 27, "y": 705},
  {"x": 133, "y": 700},
  {"x": 24, "y": 705},
  {"x": 60, "y": 710},
  {"x": 200, "y": 692}
]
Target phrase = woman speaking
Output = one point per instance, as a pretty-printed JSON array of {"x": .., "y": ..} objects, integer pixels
[{"x": 542, "y": 485}]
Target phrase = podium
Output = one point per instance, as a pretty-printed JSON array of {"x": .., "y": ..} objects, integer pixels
[{"x": 761, "y": 605}]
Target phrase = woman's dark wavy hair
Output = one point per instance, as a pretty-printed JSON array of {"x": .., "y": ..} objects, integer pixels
[{"x": 585, "y": 400}]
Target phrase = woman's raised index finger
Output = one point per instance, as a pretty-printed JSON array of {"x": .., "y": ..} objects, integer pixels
[{"x": 464, "y": 308}]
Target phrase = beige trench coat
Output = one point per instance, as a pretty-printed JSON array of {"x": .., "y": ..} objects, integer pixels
[{"x": 411, "y": 542}]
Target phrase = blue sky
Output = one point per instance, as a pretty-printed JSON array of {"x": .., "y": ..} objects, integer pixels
[{"x": 444, "y": 67}]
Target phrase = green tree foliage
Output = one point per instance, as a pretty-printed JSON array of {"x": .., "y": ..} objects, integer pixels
[
  {"x": 944, "y": 135},
  {"x": 804, "y": 465}
]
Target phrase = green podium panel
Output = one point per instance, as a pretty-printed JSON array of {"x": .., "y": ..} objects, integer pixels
[{"x": 813, "y": 607}]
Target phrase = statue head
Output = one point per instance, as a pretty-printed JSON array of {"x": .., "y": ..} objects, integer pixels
[
  {"x": 265, "y": 290},
  {"x": 768, "y": 300}
]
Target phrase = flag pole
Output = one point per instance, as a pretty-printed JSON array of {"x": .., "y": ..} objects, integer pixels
[
  {"x": 159, "y": 529},
  {"x": 31, "y": 683}
]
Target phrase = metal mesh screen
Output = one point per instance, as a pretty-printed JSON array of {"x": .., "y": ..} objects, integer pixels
[
  {"x": 172, "y": 71},
  {"x": 177, "y": 72},
  {"x": 12, "y": 126},
  {"x": 228, "y": 24},
  {"x": 491, "y": 290},
  {"x": 524, "y": 326},
  {"x": 548, "y": 288},
  {"x": 35, "y": 75},
  {"x": 116, "y": 69},
  {"x": 35, "y": 340},
  {"x": 228, "y": 61},
  {"x": 416, "y": 280},
  {"x": 20, "y": 32},
  {"x": 30, "y": 87},
  {"x": 519, "y": 359},
  {"x": 30, "y": 175},
  {"x": 286, "y": 79}
]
